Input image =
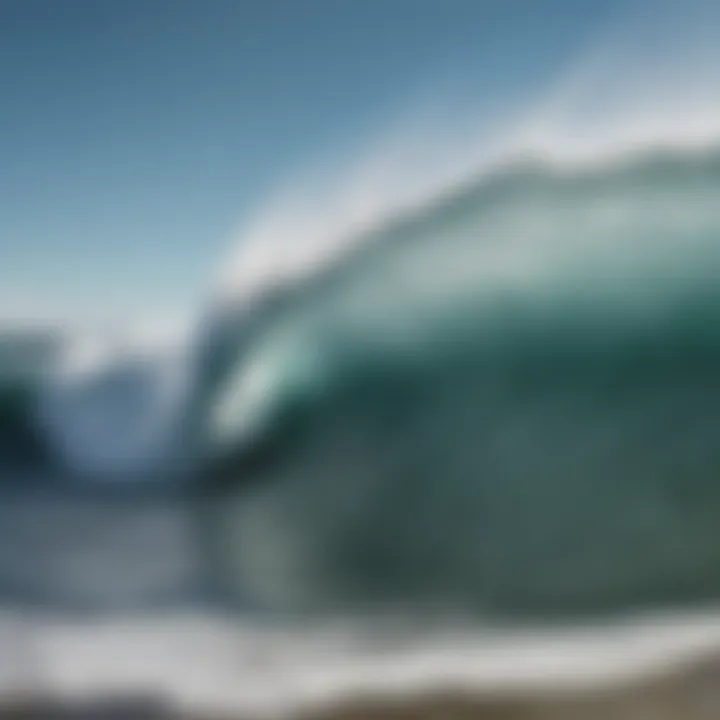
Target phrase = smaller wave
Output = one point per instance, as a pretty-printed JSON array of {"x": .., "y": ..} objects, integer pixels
[{"x": 114, "y": 408}]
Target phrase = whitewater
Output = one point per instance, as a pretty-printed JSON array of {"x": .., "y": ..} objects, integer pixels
[{"x": 472, "y": 381}]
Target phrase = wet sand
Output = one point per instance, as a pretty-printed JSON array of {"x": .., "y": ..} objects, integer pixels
[{"x": 691, "y": 694}]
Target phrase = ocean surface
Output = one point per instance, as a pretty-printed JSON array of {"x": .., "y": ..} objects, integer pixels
[
  {"x": 497, "y": 410},
  {"x": 537, "y": 349}
]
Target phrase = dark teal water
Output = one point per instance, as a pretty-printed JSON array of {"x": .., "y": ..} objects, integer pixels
[{"x": 507, "y": 402}]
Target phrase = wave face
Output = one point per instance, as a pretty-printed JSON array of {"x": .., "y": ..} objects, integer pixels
[
  {"x": 19, "y": 440},
  {"x": 507, "y": 400},
  {"x": 24, "y": 358}
]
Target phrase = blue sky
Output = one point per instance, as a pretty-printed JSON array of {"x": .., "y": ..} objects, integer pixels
[{"x": 136, "y": 135}]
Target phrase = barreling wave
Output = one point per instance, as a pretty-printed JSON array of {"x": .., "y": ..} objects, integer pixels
[{"x": 508, "y": 399}]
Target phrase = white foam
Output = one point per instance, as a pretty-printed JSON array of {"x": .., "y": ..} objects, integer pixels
[{"x": 210, "y": 664}]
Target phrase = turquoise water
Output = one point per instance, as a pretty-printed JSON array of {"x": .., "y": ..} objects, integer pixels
[{"x": 507, "y": 401}]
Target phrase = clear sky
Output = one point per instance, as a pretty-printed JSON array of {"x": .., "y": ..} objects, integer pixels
[{"x": 135, "y": 135}]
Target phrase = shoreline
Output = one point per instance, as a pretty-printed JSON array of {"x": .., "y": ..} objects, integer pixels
[
  {"x": 690, "y": 693},
  {"x": 202, "y": 667}
]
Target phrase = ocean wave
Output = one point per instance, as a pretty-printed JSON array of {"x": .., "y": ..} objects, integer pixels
[
  {"x": 538, "y": 350},
  {"x": 476, "y": 370},
  {"x": 534, "y": 349}
]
